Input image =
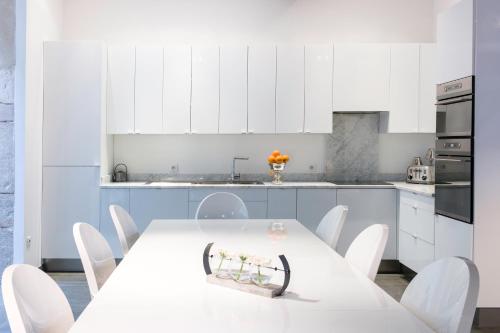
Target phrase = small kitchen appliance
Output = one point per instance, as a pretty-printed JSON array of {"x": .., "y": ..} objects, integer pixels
[
  {"x": 120, "y": 173},
  {"x": 417, "y": 173}
]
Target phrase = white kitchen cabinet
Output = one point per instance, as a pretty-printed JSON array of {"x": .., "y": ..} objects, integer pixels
[
  {"x": 69, "y": 195},
  {"x": 121, "y": 89},
  {"x": 282, "y": 203},
  {"x": 416, "y": 230},
  {"x": 261, "y": 89},
  {"x": 233, "y": 90},
  {"x": 455, "y": 41},
  {"x": 205, "y": 90},
  {"x": 177, "y": 90},
  {"x": 318, "y": 89},
  {"x": 290, "y": 89},
  {"x": 313, "y": 204},
  {"x": 361, "y": 79},
  {"x": 254, "y": 199},
  {"x": 453, "y": 238},
  {"x": 414, "y": 252},
  {"x": 148, "y": 89},
  {"x": 427, "y": 89},
  {"x": 73, "y": 92},
  {"x": 112, "y": 196},
  {"x": 368, "y": 207},
  {"x": 404, "y": 88},
  {"x": 149, "y": 204}
]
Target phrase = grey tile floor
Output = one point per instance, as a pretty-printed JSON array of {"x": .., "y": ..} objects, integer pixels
[{"x": 75, "y": 287}]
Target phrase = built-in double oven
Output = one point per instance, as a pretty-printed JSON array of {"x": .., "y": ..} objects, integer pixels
[{"x": 454, "y": 149}]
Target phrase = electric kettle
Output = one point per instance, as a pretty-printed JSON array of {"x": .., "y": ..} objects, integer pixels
[{"x": 120, "y": 176}]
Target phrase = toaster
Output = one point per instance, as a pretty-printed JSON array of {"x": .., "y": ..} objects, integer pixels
[{"x": 420, "y": 174}]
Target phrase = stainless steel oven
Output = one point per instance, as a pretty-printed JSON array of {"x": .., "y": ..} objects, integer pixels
[
  {"x": 453, "y": 197},
  {"x": 454, "y": 149},
  {"x": 454, "y": 108}
]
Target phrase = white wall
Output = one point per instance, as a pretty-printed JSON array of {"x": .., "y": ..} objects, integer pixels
[
  {"x": 43, "y": 22},
  {"x": 226, "y": 21}
]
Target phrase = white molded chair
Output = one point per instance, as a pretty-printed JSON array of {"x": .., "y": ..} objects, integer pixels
[
  {"x": 96, "y": 255},
  {"x": 125, "y": 227},
  {"x": 366, "y": 250},
  {"x": 222, "y": 205},
  {"x": 34, "y": 302},
  {"x": 444, "y": 295},
  {"x": 331, "y": 225}
]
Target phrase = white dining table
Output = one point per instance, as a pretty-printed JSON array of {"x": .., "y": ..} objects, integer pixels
[{"x": 160, "y": 285}]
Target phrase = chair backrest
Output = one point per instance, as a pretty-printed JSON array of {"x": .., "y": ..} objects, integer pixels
[
  {"x": 34, "y": 302},
  {"x": 125, "y": 227},
  {"x": 444, "y": 295},
  {"x": 331, "y": 225},
  {"x": 96, "y": 255},
  {"x": 366, "y": 250},
  {"x": 222, "y": 205}
]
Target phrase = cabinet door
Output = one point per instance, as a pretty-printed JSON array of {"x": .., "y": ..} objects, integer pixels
[
  {"x": 414, "y": 253},
  {"x": 313, "y": 204},
  {"x": 262, "y": 89},
  {"x": 256, "y": 209},
  {"x": 427, "y": 91},
  {"x": 72, "y": 103},
  {"x": 70, "y": 195},
  {"x": 205, "y": 94},
  {"x": 318, "y": 89},
  {"x": 282, "y": 203},
  {"x": 290, "y": 89},
  {"x": 361, "y": 77},
  {"x": 177, "y": 90},
  {"x": 120, "y": 94},
  {"x": 149, "y": 204},
  {"x": 112, "y": 196},
  {"x": 404, "y": 92},
  {"x": 233, "y": 90},
  {"x": 148, "y": 89},
  {"x": 367, "y": 207},
  {"x": 455, "y": 42},
  {"x": 453, "y": 238}
]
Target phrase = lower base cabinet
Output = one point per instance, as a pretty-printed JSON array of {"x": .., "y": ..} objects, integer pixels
[
  {"x": 414, "y": 252},
  {"x": 453, "y": 238},
  {"x": 313, "y": 204},
  {"x": 367, "y": 207},
  {"x": 112, "y": 196},
  {"x": 282, "y": 203}
]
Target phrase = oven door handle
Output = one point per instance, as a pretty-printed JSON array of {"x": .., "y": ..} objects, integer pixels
[
  {"x": 452, "y": 160},
  {"x": 454, "y": 100}
]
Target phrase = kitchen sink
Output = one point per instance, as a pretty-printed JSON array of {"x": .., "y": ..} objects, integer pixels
[{"x": 222, "y": 182}]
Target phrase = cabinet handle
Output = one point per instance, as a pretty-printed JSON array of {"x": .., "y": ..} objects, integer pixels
[
  {"x": 414, "y": 236},
  {"x": 250, "y": 131},
  {"x": 243, "y": 131},
  {"x": 193, "y": 131},
  {"x": 299, "y": 131},
  {"x": 308, "y": 131}
]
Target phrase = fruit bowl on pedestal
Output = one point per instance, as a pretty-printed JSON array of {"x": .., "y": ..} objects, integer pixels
[{"x": 277, "y": 164}]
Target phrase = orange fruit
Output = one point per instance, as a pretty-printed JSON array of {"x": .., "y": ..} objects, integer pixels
[
  {"x": 276, "y": 153},
  {"x": 286, "y": 158},
  {"x": 278, "y": 159},
  {"x": 271, "y": 159}
]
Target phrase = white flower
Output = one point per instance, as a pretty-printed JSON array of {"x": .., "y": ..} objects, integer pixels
[{"x": 260, "y": 261}]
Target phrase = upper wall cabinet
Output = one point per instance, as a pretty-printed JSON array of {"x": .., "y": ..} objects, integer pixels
[
  {"x": 290, "y": 89},
  {"x": 404, "y": 88},
  {"x": 120, "y": 92},
  {"x": 361, "y": 77},
  {"x": 455, "y": 38},
  {"x": 318, "y": 89},
  {"x": 205, "y": 94},
  {"x": 72, "y": 103},
  {"x": 262, "y": 89},
  {"x": 233, "y": 89},
  {"x": 148, "y": 89},
  {"x": 177, "y": 90},
  {"x": 427, "y": 89}
]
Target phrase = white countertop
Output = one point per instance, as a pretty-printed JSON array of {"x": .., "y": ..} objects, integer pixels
[
  {"x": 415, "y": 188},
  {"x": 160, "y": 286}
]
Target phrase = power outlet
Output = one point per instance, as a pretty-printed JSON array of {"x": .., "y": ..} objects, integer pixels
[
  {"x": 174, "y": 169},
  {"x": 28, "y": 242}
]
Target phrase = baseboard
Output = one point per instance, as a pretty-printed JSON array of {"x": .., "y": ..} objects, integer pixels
[
  {"x": 389, "y": 267},
  {"x": 487, "y": 317},
  {"x": 64, "y": 265}
]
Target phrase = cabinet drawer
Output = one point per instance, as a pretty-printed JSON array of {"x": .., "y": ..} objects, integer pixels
[
  {"x": 416, "y": 200},
  {"x": 244, "y": 194},
  {"x": 414, "y": 253},
  {"x": 416, "y": 222}
]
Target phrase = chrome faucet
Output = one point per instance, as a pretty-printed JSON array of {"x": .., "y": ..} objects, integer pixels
[{"x": 234, "y": 175}]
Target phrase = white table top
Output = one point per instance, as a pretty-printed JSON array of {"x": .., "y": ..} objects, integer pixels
[{"x": 160, "y": 286}]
